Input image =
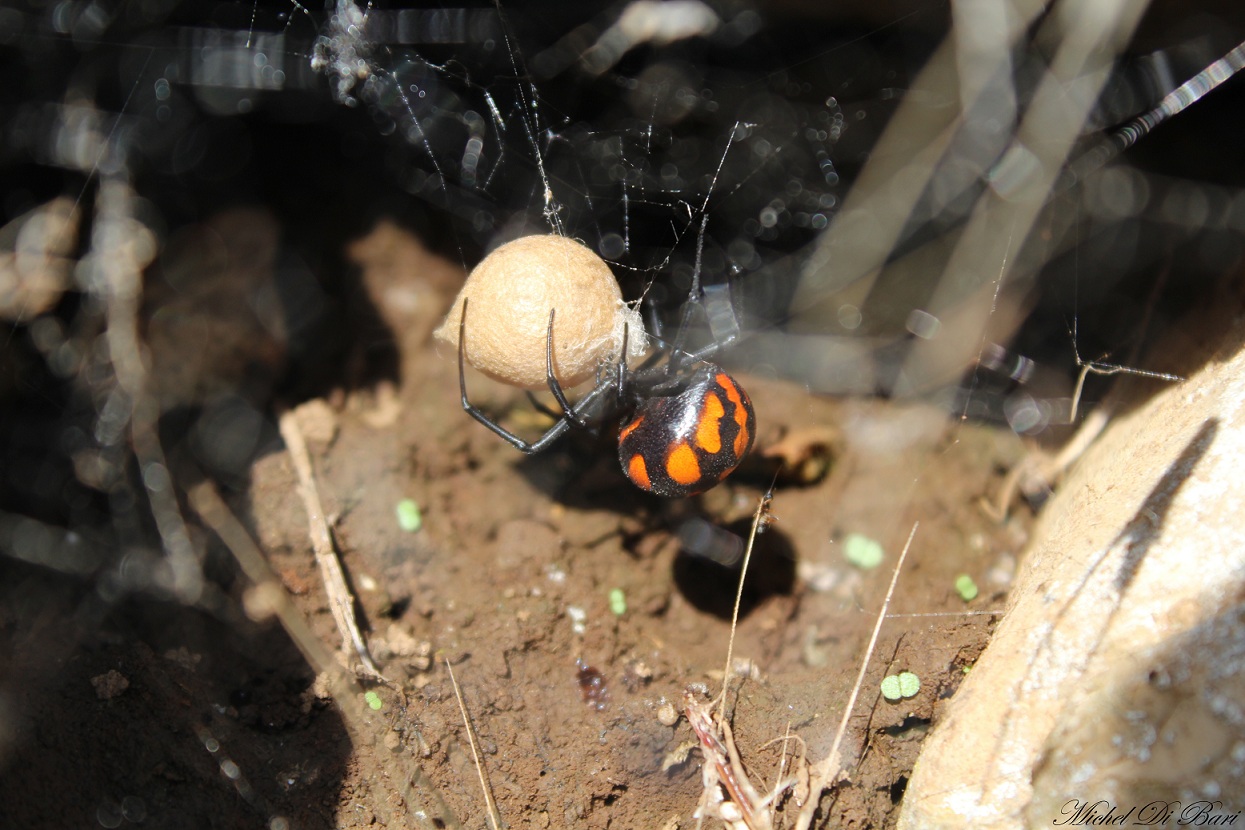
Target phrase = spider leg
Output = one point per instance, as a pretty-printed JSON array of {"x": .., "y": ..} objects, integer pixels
[
  {"x": 568, "y": 411},
  {"x": 542, "y": 408},
  {"x": 712, "y": 349},
  {"x": 621, "y": 380},
  {"x": 654, "y": 320},
  {"x": 694, "y": 298},
  {"x": 515, "y": 441},
  {"x": 715, "y": 301}
]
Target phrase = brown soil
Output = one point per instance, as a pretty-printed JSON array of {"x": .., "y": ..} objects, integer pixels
[{"x": 156, "y": 714}]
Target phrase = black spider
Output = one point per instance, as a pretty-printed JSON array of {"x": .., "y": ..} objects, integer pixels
[{"x": 686, "y": 424}]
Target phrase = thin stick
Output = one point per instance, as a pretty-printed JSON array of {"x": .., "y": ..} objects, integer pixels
[
  {"x": 494, "y": 818},
  {"x": 341, "y": 601},
  {"x": 829, "y": 766},
  {"x": 757, "y": 517}
]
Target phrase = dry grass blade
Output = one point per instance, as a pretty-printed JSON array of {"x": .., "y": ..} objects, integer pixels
[
  {"x": 341, "y": 601},
  {"x": 799, "y": 782},
  {"x": 758, "y": 520},
  {"x": 212, "y": 510},
  {"x": 494, "y": 818}
]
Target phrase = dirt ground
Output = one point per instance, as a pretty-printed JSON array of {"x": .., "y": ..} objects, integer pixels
[{"x": 154, "y": 714}]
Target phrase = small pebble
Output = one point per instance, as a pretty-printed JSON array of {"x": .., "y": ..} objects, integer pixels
[{"x": 109, "y": 684}]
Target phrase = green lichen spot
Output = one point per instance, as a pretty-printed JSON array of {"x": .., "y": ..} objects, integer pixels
[
  {"x": 861, "y": 551},
  {"x": 409, "y": 517},
  {"x": 618, "y": 602}
]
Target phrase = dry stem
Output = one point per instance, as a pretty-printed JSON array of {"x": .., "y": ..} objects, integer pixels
[
  {"x": 119, "y": 251},
  {"x": 494, "y": 818},
  {"x": 758, "y": 519},
  {"x": 341, "y": 601}
]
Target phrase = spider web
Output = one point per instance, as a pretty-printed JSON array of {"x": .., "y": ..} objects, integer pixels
[{"x": 571, "y": 132}]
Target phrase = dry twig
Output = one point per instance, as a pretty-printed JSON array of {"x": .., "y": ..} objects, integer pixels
[
  {"x": 341, "y": 601},
  {"x": 759, "y": 519},
  {"x": 494, "y": 818},
  {"x": 266, "y": 585}
]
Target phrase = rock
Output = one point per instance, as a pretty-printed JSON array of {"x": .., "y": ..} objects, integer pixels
[{"x": 1118, "y": 674}]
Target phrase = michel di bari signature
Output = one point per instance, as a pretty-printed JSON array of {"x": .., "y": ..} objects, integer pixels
[{"x": 1078, "y": 813}]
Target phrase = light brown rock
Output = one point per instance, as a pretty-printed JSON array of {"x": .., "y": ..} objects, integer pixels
[{"x": 1118, "y": 673}]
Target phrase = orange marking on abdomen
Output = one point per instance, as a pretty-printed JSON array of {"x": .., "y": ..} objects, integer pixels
[
  {"x": 629, "y": 428},
  {"x": 708, "y": 430},
  {"x": 741, "y": 438},
  {"x": 638, "y": 472},
  {"x": 682, "y": 466},
  {"x": 735, "y": 396}
]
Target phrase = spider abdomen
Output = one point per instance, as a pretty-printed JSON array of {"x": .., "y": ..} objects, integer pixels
[{"x": 684, "y": 444}]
